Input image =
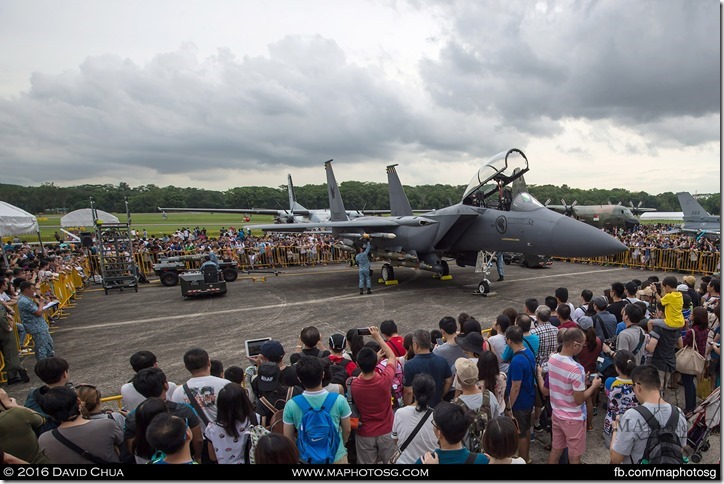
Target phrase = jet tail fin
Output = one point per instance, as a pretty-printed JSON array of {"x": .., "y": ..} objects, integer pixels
[
  {"x": 336, "y": 206},
  {"x": 293, "y": 205},
  {"x": 690, "y": 206},
  {"x": 399, "y": 204}
]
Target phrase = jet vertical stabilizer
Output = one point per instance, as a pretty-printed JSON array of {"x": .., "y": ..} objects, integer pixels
[
  {"x": 690, "y": 207},
  {"x": 293, "y": 205},
  {"x": 399, "y": 204},
  {"x": 336, "y": 206}
]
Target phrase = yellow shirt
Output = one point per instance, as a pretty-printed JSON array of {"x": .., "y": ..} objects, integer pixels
[{"x": 673, "y": 305}]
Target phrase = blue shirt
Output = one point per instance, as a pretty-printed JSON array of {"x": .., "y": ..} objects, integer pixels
[
  {"x": 33, "y": 323},
  {"x": 532, "y": 341},
  {"x": 620, "y": 327},
  {"x": 363, "y": 260},
  {"x": 434, "y": 365},
  {"x": 522, "y": 369},
  {"x": 458, "y": 456}
]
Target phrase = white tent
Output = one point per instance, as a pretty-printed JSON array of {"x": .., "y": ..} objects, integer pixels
[
  {"x": 16, "y": 221},
  {"x": 84, "y": 218}
]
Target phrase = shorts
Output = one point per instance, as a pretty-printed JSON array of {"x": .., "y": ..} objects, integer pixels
[
  {"x": 571, "y": 434},
  {"x": 523, "y": 418}
]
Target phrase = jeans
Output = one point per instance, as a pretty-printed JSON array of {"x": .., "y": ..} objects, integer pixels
[
  {"x": 499, "y": 262},
  {"x": 689, "y": 382}
]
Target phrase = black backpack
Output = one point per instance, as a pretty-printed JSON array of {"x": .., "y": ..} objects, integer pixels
[{"x": 663, "y": 445}]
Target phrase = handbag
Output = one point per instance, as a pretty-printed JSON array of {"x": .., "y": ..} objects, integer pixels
[
  {"x": 688, "y": 359},
  {"x": 703, "y": 387},
  {"x": 402, "y": 448}
]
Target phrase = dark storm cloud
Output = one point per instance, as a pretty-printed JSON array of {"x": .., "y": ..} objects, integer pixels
[
  {"x": 300, "y": 105},
  {"x": 636, "y": 63}
]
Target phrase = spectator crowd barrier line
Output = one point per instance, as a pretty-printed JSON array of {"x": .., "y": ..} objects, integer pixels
[{"x": 668, "y": 260}]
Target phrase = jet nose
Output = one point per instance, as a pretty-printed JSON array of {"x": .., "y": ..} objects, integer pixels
[{"x": 572, "y": 238}]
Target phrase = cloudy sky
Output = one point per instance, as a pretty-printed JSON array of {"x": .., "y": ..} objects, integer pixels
[{"x": 217, "y": 94}]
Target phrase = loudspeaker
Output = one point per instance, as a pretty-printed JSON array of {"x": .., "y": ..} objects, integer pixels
[{"x": 86, "y": 239}]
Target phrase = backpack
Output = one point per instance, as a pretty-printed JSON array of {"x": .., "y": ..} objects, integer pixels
[
  {"x": 663, "y": 445},
  {"x": 252, "y": 434},
  {"x": 473, "y": 439},
  {"x": 275, "y": 423},
  {"x": 318, "y": 437},
  {"x": 397, "y": 386},
  {"x": 338, "y": 373}
]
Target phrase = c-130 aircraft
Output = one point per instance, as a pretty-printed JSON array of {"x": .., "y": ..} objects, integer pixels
[{"x": 495, "y": 214}]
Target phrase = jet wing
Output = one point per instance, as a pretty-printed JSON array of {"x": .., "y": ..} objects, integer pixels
[
  {"x": 366, "y": 224},
  {"x": 259, "y": 211}
]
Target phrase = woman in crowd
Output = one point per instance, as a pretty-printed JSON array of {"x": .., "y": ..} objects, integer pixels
[
  {"x": 619, "y": 392},
  {"x": 138, "y": 445},
  {"x": 234, "y": 414},
  {"x": 491, "y": 378},
  {"x": 587, "y": 358},
  {"x": 698, "y": 334},
  {"x": 407, "y": 418},
  {"x": 500, "y": 441},
  {"x": 100, "y": 438}
]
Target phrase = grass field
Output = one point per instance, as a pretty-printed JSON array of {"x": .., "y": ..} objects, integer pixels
[{"x": 156, "y": 225}]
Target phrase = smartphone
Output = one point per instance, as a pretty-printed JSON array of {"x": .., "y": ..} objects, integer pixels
[
  {"x": 440, "y": 341},
  {"x": 592, "y": 376},
  {"x": 363, "y": 331}
]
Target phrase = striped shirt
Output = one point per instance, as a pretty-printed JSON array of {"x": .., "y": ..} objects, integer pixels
[{"x": 565, "y": 376}]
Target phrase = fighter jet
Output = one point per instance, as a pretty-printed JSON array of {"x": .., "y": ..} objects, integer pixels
[
  {"x": 697, "y": 220},
  {"x": 296, "y": 213},
  {"x": 485, "y": 219},
  {"x": 600, "y": 215}
]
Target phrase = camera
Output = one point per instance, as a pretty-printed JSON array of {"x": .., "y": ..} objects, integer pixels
[{"x": 363, "y": 331}]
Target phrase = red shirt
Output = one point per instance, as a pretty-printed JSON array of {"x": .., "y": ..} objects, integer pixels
[
  {"x": 373, "y": 398},
  {"x": 397, "y": 346},
  {"x": 568, "y": 324}
]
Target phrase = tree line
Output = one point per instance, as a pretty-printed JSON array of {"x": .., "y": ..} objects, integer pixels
[{"x": 49, "y": 198}]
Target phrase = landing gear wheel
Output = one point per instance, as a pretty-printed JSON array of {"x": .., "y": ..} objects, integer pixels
[
  {"x": 445, "y": 268},
  {"x": 230, "y": 275},
  {"x": 169, "y": 279},
  {"x": 484, "y": 287},
  {"x": 387, "y": 273}
]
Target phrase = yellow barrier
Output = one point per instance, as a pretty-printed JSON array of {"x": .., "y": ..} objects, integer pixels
[
  {"x": 669, "y": 260},
  {"x": 118, "y": 399}
]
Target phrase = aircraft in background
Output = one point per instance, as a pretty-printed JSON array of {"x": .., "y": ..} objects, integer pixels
[
  {"x": 697, "y": 220},
  {"x": 296, "y": 213},
  {"x": 490, "y": 217},
  {"x": 600, "y": 216}
]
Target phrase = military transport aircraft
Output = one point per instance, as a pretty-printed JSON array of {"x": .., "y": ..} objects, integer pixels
[
  {"x": 490, "y": 217},
  {"x": 296, "y": 213},
  {"x": 601, "y": 215},
  {"x": 697, "y": 220}
]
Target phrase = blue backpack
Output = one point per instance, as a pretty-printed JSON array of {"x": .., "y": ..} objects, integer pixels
[{"x": 318, "y": 437}]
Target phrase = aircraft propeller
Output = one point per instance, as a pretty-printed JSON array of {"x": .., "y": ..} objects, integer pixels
[{"x": 568, "y": 209}]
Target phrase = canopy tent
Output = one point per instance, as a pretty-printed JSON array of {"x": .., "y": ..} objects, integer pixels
[
  {"x": 84, "y": 218},
  {"x": 16, "y": 221}
]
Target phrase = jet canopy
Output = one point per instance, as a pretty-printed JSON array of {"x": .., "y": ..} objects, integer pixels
[{"x": 499, "y": 171}]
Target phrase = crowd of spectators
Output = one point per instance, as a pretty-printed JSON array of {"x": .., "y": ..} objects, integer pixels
[{"x": 478, "y": 393}]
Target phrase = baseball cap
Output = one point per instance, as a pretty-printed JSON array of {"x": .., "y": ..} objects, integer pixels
[
  {"x": 472, "y": 342},
  {"x": 269, "y": 375},
  {"x": 600, "y": 302},
  {"x": 690, "y": 280},
  {"x": 466, "y": 370},
  {"x": 272, "y": 350},
  {"x": 337, "y": 341},
  {"x": 682, "y": 288},
  {"x": 585, "y": 322}
]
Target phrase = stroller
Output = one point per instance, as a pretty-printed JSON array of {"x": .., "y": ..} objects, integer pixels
[{"x": 702, "y": 422}]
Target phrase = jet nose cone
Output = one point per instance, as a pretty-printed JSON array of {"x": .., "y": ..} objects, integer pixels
[{"x": 572, "y": 238}]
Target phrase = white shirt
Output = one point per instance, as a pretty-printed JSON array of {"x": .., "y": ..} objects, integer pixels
[
  {"x": 132, "y": 399},
  {"x": 205, "y": 389},
  {"x": 406, "y": 419}
]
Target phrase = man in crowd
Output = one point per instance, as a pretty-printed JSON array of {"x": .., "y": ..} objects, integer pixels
[
  {"x": 521, "y": 387},
  {"x": 31, "y": 314},
  {"x": 450, "y": 349},
  {"x": 139, "y": 361},
  {"x": 426, "y": 362}
]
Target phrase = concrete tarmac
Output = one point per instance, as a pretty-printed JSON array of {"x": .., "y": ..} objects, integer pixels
[{"x": 102, "y": 331}]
